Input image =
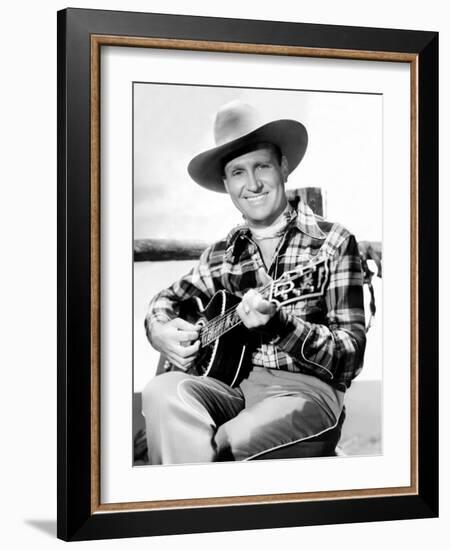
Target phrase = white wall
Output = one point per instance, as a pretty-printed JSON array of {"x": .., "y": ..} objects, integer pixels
[{"x": 28, "y": 290}]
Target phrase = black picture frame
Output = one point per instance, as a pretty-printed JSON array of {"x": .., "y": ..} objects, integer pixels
[{"x": 79, "y": 515}]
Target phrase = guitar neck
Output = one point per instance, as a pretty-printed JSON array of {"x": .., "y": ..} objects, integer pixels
[
  {"x": 218, "y": 326},
  {"x": 292, "y": 286}
]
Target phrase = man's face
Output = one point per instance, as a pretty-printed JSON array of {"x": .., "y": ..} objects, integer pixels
[{"x": 255, "y": 183}]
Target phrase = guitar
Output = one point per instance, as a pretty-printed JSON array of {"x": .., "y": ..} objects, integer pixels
[{"x": 224, "y": 341}]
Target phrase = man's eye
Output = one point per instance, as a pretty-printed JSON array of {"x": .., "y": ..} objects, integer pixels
[
  {"x": 235, "y": 173},
  {"x": 264, "y": 166}
]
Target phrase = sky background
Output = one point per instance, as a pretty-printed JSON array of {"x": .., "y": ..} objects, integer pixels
[{"x": 173, "y": 123}]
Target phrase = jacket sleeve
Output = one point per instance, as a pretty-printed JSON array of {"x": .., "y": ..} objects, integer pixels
[
  {"x": 165, "y": 306},
  {"x": 336, "y": 347}
]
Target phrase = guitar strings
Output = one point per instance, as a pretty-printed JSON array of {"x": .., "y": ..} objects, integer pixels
[
  {"x": 212, "y": 325},
  {"x": 218, "y": 322}
]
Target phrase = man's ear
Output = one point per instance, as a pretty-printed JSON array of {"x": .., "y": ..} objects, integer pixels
[
  {"x": 225, "y": 184},
  {"x": 284, "y": 168}
]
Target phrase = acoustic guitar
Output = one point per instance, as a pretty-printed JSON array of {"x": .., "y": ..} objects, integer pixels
[{"x": 225, "y": 352}]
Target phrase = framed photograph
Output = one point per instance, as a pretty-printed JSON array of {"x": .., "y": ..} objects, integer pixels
[{"x": 247, "y": 274}]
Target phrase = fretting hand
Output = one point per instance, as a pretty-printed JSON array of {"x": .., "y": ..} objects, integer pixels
[{"x": 177, "y": 340}]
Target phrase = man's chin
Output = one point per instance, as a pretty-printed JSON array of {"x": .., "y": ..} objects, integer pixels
[{"x": 261, "y": 221}]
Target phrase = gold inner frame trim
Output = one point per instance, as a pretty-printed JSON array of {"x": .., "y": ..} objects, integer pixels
[{"x": 97, "y": 41}]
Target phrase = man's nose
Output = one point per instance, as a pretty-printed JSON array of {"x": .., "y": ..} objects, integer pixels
[{"x": 253, "y": 183}]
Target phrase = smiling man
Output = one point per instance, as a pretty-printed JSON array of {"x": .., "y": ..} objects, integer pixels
[{"x": 302, "y": 355}]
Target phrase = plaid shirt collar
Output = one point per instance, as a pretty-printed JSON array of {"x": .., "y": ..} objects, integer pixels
[
  {"x": 307, "y": 223},
  {"x": 303, "y": 219}
]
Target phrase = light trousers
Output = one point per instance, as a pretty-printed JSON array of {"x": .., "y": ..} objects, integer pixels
[{"x": 193, "y": 419}]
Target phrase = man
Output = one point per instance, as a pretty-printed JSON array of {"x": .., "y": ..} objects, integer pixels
[{"x": 303, "y": 355}]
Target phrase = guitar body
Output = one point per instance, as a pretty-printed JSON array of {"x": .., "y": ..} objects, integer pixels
[
  {"x": 228, "y": 357},
  {"x": 225, "y": 343}
]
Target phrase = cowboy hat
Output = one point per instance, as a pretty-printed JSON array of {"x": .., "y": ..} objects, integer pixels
[{"x": 236, "y": 127}]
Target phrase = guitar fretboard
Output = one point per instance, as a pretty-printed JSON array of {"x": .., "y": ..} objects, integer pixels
[
  {"x": 221, "y": 324},
  {"x": 218, "y": 326}
]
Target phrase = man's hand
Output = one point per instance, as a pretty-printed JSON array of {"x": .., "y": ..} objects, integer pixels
[
  {"x": 254, "y": 310},
  {"x": 177, "y": 340}
]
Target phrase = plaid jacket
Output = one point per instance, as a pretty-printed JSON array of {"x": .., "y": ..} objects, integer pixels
[{"x": 322, "y": 336}]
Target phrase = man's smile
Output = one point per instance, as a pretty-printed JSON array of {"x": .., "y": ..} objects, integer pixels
[
  {"x": 255, "y": 183},
  {"x": 256, "y": 199}
]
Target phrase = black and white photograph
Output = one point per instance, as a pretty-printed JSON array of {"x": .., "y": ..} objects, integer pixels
[
  {"x": 257, "y": 276},
  {"x": 224, "y": 306},
  {"x": 243, "y": 220}
]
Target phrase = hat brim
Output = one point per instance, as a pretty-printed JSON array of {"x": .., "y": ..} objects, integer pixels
[{"x": 290, "y": 136}]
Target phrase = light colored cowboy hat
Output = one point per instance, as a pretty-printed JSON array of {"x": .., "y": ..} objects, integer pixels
[{"x": 237, "y": 126}]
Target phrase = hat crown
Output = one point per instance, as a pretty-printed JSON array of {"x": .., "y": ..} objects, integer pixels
[
  {"x": 238, "y": 126},
  {"x": 234, "y": 120}
]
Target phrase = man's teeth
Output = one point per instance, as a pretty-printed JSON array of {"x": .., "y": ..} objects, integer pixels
[{"x": 257, "y": 198}]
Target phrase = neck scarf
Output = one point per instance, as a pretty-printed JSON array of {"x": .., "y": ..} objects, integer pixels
[{"x": 276, "y": 229}]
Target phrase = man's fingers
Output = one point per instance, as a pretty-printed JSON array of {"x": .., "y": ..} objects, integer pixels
[
  {"x": 183, "y": 325},
  {"x": 248, "y": 300},
  {"x": 187, "y": 351},
  {"x": 243, "y": 310},
  {"x": 254, "y": 310},
  {"x": 265, "y": 307},
  {"x": 185, "y": 333},
  {"x": 187, "y": 336},
  {"x": 253, "y": 301},
  {"x": 180, "y": 363}
]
